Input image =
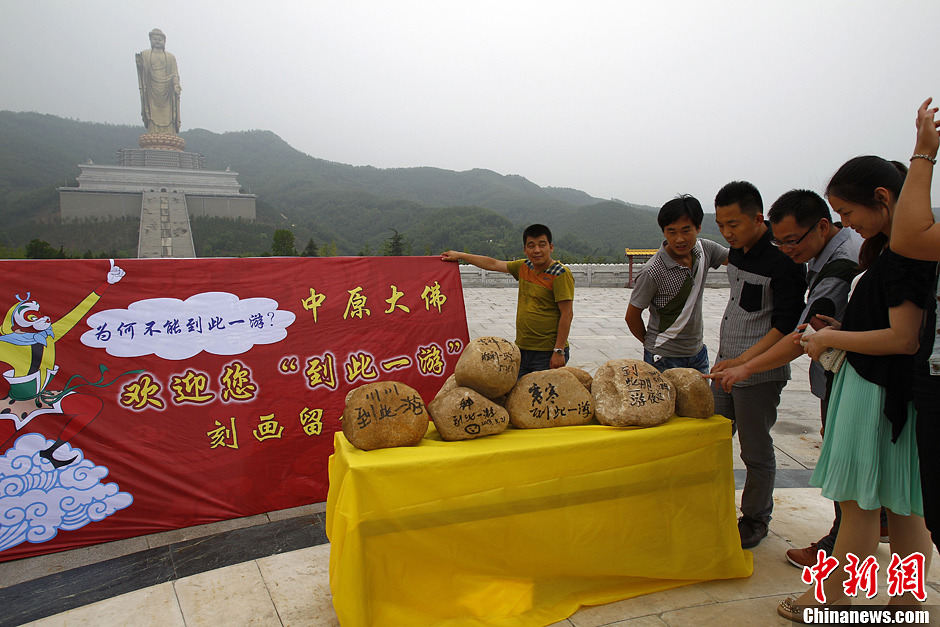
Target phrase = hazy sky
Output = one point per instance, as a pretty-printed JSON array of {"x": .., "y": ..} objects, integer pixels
[{"x": 634, "y": 100}]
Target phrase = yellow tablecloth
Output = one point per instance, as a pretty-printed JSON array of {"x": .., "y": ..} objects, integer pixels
[{"x": 523, "y": 527}]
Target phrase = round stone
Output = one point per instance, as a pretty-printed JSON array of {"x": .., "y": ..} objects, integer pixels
[
  {"x": 383, "y": 415},
  {"x": 549, "y": 398},
  {"x": 489, "y": 365},
  {"x": 694, "y": 396},
  {"x": 630, "y": 392},
  {"x": 465, "y": 414}
]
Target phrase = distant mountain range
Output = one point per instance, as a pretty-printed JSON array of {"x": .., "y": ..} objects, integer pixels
[{"x": 345, "y": 209}]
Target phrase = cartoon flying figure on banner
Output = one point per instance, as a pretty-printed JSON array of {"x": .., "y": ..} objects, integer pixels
[{"x": 27, "y": 345}]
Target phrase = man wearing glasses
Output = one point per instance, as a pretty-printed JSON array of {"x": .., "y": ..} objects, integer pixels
[{"x": 803, "y": 230}]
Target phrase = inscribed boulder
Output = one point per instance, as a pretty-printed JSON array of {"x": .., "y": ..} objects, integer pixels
[
  {"x": 630, "y": 392},
  {"x": 383, "y": 415}
]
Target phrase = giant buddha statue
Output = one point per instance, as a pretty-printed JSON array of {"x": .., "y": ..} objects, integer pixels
[{"x": 159, "y": 82}]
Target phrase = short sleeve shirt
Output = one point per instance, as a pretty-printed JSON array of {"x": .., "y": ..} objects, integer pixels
[
  {"x": 537, "y": 312},
  {"x": 889, "y": 281},
  {"x": 659, "y": 282}
]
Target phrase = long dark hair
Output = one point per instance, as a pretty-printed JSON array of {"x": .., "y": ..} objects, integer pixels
[{"x": 856, "y": 182}]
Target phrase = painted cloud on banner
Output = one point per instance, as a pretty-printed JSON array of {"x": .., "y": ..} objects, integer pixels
[
  {"x": 37, "y": 500},
  {"x": 216, "y": 322}
]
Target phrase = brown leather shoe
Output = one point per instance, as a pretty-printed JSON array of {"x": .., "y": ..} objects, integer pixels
[{"x": 802, "y": 558}]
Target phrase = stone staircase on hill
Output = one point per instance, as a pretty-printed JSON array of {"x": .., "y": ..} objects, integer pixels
[{"x": 164, "y": 226}]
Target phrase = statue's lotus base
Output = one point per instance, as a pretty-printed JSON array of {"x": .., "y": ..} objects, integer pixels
[{"x": 153, "y": 141}]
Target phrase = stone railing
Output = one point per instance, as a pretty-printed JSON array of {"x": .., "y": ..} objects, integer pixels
[{"x": 585, "y": 275}]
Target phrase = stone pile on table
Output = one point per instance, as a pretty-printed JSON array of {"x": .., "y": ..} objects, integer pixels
[
  {"x": 484, "y": 396},
  {"x": 470, "y": 403},
  {"x": 489, "y": 365}
]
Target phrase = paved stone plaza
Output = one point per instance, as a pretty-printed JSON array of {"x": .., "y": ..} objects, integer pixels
[{"x": 229, "y": 582}]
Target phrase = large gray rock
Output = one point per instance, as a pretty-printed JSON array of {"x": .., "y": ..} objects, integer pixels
[
  {"x": 581, "y": 375},
  {"x": 489, "y": 365},
  {"x": 630, "y": 392},
  {"x": 694, "y": 397},
  {"x": 465, "y": 414},
  {"x": 549, "y": 398},
  {"x": 383, "y": 415}
]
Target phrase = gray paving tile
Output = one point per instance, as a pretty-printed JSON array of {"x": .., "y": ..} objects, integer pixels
[
  {"x": 27, "y": 569},
  {"x": 201, "y": 531}
]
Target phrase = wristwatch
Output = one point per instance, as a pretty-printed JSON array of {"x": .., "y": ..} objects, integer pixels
[{"x": 559, "y": 351}]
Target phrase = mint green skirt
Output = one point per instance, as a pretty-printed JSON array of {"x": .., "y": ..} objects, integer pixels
[{"x": 858, "y": 462}]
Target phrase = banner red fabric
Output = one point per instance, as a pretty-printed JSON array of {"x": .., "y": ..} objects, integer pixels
[{"x": 166, "y": 393}]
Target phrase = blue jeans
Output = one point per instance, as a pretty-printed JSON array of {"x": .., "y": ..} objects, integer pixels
[
  {"x": 536, "y": 360},
  {"x": 699, "y": 361}
]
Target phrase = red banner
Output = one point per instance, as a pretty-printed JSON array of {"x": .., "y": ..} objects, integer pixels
[{"x": 157, "y": 394}]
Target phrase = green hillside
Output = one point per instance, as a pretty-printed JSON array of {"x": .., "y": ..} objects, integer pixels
[{"x": 344, "y": 209}]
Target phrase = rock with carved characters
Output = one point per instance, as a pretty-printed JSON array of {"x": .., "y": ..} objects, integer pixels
[
  {"x": 549, "y": 398},
  {"x": 630, "y": 392},
  {"x": 383, "y": 415},
  {"x": 465, "y": 414},
  {"x": 489, "y": 365}
]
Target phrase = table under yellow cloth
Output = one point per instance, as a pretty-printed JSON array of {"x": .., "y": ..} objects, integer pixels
[{"x": 524, "y": 527}]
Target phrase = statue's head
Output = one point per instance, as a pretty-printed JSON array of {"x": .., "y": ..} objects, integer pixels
[{"x": 157, "y": 38}]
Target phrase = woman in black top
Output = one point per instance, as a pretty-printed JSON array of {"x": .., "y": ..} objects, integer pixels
[
  {"x": 915, "y": 235},
  {"x": 869, "y": 455}
]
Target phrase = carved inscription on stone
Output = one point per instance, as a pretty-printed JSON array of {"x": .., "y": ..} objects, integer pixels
[
  {"x": 489, "y": 365},
  {"x": 549, "y": 398},
  {"x": 464, "y": 414},
  {"x": 383, "y": 415},
  {"x": 631, "y": 392}
]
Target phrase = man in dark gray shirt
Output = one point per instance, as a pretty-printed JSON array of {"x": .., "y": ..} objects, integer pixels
[
  {"x": 765, "y": 304},
  {"x": 804, "y": 231}
]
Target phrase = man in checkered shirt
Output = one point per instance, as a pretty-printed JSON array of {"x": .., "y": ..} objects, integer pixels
[
  {"x": 672, "y": 285},
  {"x": 765, "y": 304}
]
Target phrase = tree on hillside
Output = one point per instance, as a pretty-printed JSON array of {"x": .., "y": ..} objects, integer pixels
[
  {"x": 394, "y": 245},
  {"x": 310, "y": 250},
  {"x": 282, "y": 244},
  {"x": 10, "y": 252},
  {"x": 39, "y": 249}
]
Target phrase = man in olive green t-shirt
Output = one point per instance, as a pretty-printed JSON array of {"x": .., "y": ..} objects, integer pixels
[{"x": 546, "y": 294}]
